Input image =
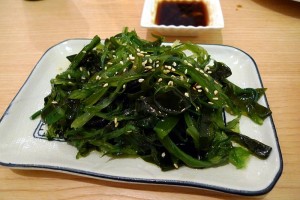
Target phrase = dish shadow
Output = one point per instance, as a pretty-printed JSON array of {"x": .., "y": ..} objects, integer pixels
[
  {"x": 206, "y": 37},
  {"x": 132, "y": 186},
  {"x": 286, "y": 7}
]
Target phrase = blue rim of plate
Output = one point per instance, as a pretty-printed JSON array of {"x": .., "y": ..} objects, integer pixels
[{"x": 151, "y": 181}]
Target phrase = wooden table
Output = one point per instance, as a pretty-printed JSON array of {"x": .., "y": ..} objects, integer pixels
[{"x": 269, "y": 30}]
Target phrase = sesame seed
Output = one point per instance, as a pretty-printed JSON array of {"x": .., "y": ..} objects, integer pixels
[
  {"x": 209, "y": 72},
  {"x": 69, "y": 76},
  {"x": 168, "y": 67},
  {"x": 105, "y": 68},
  {"x": 181, "y": 78},
  {"x": 144, "y": 63},
  {"x": 148, "y": 67},
  {"x": 159, "y": 80},
  {"x": 170, "y": 83},
  {"x": 157, "y": 61},
  {"x": 189, "y": 64},
  {"x": 140, "y": 54},
  {"x": 141, "y": 80},
  {"x": 157, "y": 65},
  {"x": 83, "y": 78},
  {"x": 105, "y": 85},
  {"x": 197, "y": 108},
  {"x": 81, "y": 69},
  {"x": 174, "y": 64},
  {"x": 206, "y": 68},
  {"x": 88, "y": 72},
  {"x": 210, "y": 103},
  {"x": 124, "y": 86},
  {"x": 138, "y": 50},
  {"x": 54, "y": 102},
  {"x": 201, "y": 71},
  {"x": 83, "y": 51},
  {"x": 114, "y": 56},
  {"x": 98, "y": 77},
  {"x": 121, "y": 62},
  {"x": 175, "y": 165},
  {"x": 115, "y": 120},
  {"x": 109, "y": 63},
  {"x": 216, "y": 92},
  {"x": 205, "y": 75},
  {"x": 206, "y": 89},
  {"x": 166, "y": 71},
  {"x": 173, "y": 69},
  {"x": 185, "y": 71},
  {"x": 150, "y": 60},
  {"x": 125, "y": 69},
  {"x": 163, "y": 154},
  {"x": 198, "y": 86},
  {"x": 186, "y": 94},
  {"x": 185, "y": 61},
  {"x": 199, "y": 90},
  {"x": 215, "y": 98}
]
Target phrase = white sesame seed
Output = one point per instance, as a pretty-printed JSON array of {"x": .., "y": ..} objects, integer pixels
[
  {"x": 199, "y": 90},
  {"x": 163, "y": 154},
  {"x": 201, "y": 71},
  {"x": 197, "y": 108},
  {"x": 105, "y": 68},
  {"x": 215, "y": 98},
  {"x": 197, "y": 69},
  {"x": 174, "y": 64},
  {"x": 148, "y": 67},
  {"x": 166, "y": 71},
  {"x": 157, "y": 61},
  {"x": 216, "y": 92},
  {"x": 150, "y": 60},
  {"x": 83, "y": 51},
  {"x": 140, "y": 54},
  {"x": 114, "y": 56},
  {"x": 173, "y": 69},
  {"x": 121, "y": 62},
  {"x": 138, "y": 50},
  {"x": 105, "y": 85},
  {"x": 198, "y": 86},
  {"x": 209, "y": 72},
  {"x": 98, "y": 77},
  {"x": 125, "y": 69},
  {"x": 157, "y": 65},
  {"x": 83, "y": 78},
  {"x": 69, "y": 76},
  {"x": 170, "y": 83},
  {"x": 206, "y": 89},
  {"x": 81, "y": 69},
  {"x": 175, "y": 165},
  {"x": 206, "y": 68},
  {"x": 189, "y": 64},
  {"x": 186, "y": 94},
  {"x": 54, "y": 102},
  {"x": 159, "y": 80},
  {"x": 109, "y": 63},
  {"x": 141, "y": 80},
  {"x": 124, "y": 86},
  {"x": 185, "y": 61},
  {"x": 168, "y": 67},
  {"x": 88, "y": 72},
  {"x": 205, "y": 75},
  {"x": 144, "y": 63},
  {"x": 210, "y": 103},
  {"x": 185, "y": 71}
]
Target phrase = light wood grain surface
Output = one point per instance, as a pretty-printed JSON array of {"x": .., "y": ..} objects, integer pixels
[{"x": 269, "y": 30}]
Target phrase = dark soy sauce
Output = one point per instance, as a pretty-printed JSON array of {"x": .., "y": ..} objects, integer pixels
[{"x": 187, "y": 13}]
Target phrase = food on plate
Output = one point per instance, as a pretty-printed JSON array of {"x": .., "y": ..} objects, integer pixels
[{"x": 164, "y": 103}]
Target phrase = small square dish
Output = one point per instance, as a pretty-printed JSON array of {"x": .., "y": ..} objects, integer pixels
[{"x": 182, "y": 17}]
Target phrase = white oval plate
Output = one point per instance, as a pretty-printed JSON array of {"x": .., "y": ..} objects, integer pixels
[{"x": 22, "y": 144}]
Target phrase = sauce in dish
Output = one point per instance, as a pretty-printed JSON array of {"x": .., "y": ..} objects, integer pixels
[{"x": 186, "y": 13}]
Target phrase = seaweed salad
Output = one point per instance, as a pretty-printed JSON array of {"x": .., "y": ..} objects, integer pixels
[{"x": 165, "y": 103}]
